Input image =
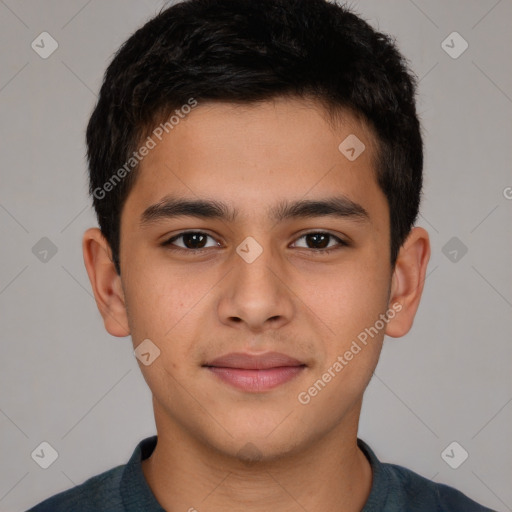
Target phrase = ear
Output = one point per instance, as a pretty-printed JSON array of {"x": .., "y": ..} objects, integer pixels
[
  {"x": 407, "y": 281},
  {"x": 105, "y": 282}
]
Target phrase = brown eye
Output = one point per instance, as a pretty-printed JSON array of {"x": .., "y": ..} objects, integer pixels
[
  {"x": 319, "y": 241},
  {"x": 192, "y": 241}
]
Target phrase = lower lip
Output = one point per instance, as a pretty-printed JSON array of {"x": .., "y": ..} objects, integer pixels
[{"x": 257, "y": 380}]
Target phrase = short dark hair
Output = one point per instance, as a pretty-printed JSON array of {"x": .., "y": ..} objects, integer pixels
[{"x": 246, "y": 51}]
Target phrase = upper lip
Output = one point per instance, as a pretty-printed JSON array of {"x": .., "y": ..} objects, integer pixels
[{"x": 254, "y": 361}]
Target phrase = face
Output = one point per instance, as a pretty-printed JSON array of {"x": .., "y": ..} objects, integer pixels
[{"x": 253, "y": 277}]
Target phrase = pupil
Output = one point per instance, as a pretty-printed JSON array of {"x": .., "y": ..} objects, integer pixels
[
  {"x": 319, "y": 240},
  {"x": 194, "y": 236},
  {"x": 318, "y": 235}
]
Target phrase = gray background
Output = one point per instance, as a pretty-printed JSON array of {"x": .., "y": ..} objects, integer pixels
[{"x": 65, "y": 380}]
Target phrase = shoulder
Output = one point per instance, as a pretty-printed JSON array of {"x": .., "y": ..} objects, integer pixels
[
  {"x": 395, "y": 487},
  {"x": 100, "y": 492},
  {"x": 418, "y": 493}
]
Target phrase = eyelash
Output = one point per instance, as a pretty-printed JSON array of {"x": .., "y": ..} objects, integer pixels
[{"x": 168, "y": 243}]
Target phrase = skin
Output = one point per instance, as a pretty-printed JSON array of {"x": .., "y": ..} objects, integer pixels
[{"x": 291, "y": 299}]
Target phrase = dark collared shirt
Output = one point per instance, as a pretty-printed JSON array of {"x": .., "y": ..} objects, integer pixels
[{"x": 124, "y": 489}]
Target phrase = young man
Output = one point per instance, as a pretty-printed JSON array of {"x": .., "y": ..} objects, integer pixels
[{"x": 256, "y": 169}]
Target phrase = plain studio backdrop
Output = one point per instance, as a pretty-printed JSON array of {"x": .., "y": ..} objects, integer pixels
[{"x": 65, "y": 381}]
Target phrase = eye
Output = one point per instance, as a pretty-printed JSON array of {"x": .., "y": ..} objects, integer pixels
[
  {"x": 321, "y": 239},
  {"x": 193, "y": 241}
]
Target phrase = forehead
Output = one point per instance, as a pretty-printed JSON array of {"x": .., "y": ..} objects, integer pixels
[{"x": 251, "y": 156}]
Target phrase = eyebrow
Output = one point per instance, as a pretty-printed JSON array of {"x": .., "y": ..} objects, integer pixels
[{"x": 170, "y": 207}]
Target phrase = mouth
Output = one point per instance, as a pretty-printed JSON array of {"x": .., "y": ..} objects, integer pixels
[{"x": 255, "y": 372}]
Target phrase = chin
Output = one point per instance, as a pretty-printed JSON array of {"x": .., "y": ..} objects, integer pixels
[{"x": 251, "y": 447}]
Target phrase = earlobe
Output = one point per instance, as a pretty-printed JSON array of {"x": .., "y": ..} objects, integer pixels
[
  {"x": 105, "y": 282},
  {"x": 407, "y": 281}
]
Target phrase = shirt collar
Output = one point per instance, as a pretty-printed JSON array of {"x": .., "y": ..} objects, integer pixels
[
  {"x": 137, "y": 495},
  {"x": 379, "y": 490},
  {"x": 135, "y": 491}
]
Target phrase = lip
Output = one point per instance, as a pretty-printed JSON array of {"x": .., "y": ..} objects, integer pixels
[
  {"x": 255, "y": 372},
  {"x": 244, "y": 361}
]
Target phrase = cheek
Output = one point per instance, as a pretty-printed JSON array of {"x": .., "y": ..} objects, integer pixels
[
  {"x": 159, "y": 299},
  {"x": 348, "y": 345},
  {"x": 346, "y": 299},
  {"x": 171, "y": 308}
]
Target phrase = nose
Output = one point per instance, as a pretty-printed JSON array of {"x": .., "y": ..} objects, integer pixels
[{"x": 256, "y": 294}]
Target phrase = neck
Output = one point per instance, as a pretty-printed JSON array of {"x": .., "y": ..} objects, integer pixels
[{"x": 331, "y": 474}]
